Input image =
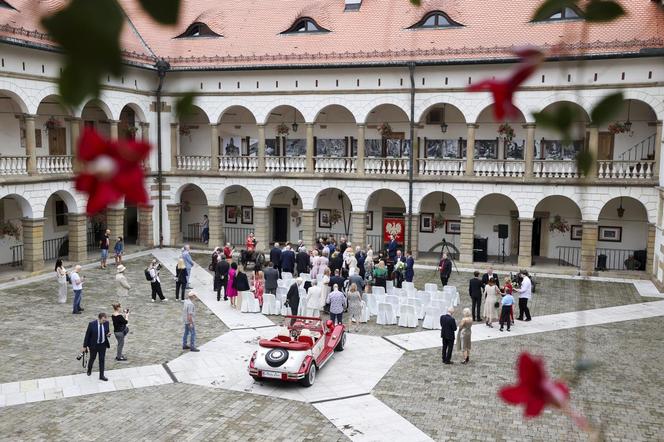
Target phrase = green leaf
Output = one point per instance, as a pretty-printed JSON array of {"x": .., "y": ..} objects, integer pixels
[
  {"x": 164, "y": 11},
  {"x": 550, "y": 7},
  {"x": 600, "y": 11},
  {"x": 607, "y": 108},
  {"x": 416, "y": 2},
  {"x": 185, "y": 105},
  {"x": 584, "y": 161},
  {"x": 88, "y": 33}
]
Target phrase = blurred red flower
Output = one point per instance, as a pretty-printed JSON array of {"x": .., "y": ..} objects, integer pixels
[
  {"x": 111, "y": 170},
  {"x": 534, "y": 389},
  {"x": 503, "y": 90}
]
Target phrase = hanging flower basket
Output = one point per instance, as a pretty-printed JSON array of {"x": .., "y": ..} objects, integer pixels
[
  {"x": 506, "y": 132},
  {"x": 8, "y": 228},
  {"x": 617, "y": 128},
  {"x": 558, "y": 225},
  {"x": 385, "y": 130},
  {"x": 131, "y": 131},
  {"x": 282, "y": 129},
  {"x": 439, "y": 221},
  {"x": 52, "y": 123}
]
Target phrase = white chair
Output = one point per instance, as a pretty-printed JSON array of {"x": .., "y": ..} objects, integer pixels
[
  {"x": 419, "y": 307},
  {"x": 377, "y": 290},
  {"x": 399, "y": 292},
  {"x": 389, "y": 285},
  {"x": 281, "y": 283},
  {"x": 425, "y": 297},
  {"x": 364, "y": 315},
  {"x": 283, "y": 310},
  {"x": 302, "y": 306},
  {"x": 440, "y": 305},
  {"x": 449, "y": 289},
  {"x": 431, "y": 318},
  {"x": 386, "y": 314},
  {"x": 249, "y": 303},
  {"x": 287, "y": 276},
  {"x": 407, "y": 316},
  {"x": 394, "y": 300},
  {"x": 372, "y": 303},
  {"x": 407, "y": 285},
  {"x": 269, "y": 304},
  {"x": 430, "y": 287},
  {"x": 305, "y": 276}
]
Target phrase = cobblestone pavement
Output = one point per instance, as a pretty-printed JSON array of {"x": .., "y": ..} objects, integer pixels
[
  {"x": 40, "y": 338},
  {"x": 622, "y": 393},
  {"x": 168, "y": 413}
]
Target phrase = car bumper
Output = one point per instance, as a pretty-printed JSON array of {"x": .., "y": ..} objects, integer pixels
[{"x": 293, "y": 377}]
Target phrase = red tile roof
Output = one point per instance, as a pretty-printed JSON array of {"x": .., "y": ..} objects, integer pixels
[{"x": 377, "y": 33}]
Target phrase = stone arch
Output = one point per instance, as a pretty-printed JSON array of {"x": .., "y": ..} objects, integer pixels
[
  {"x": 264, "y": 117},
  {"x": 494, "y": 194},
  {"x": 385, "y": 103},
  {"x": 68, "y": 198},
  {"x": 323, "y": 193},
  {"x": 331, "y": 103},
  {"x": 235, "y": 188},
  {"x": 15, "y": 94},
  {"x": 184, "y": 187},
  {"x": 230, "y": 107},
  {"x": 387, "y": 191},
  {"x": 533, "y": 106},
  {"x": 287, "y": 113},
  {"x": 280, "y": 189},
  {"x": 97, "y": 103},
  {"x": 138, "y": 111},
  {"x": 451, "y": 201},
  {"x": 422, "y": 108},
  {"x": 23, "y": 204},
  {"x": 638, "y": 209}
]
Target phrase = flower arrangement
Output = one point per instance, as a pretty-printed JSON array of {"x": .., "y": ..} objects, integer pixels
[
  {"x": 52, "y": 123},
  {"x": 617, "y": 128},
  {"x": 335, "y": 216},
  {"x": 283, "y": 129},
  {"x": 399, "y": 266},
  {"x": 185, "y": 131},
  {"x": 506, "y": 131},
  {"x": 439, "y": 221},
  {"x": 385, "y": 130},
  {"x": 8, "y": 228},
  {"x": 558, "y": 225},
  {"x": 131, "y": 130}
]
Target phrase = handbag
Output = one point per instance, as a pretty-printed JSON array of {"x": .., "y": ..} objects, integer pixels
[
  {"x": 126, "y": 330},
  {"x": 496, "y": 304}
]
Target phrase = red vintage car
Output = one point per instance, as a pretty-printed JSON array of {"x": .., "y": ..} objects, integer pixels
[{"x": 302, "y": 346}]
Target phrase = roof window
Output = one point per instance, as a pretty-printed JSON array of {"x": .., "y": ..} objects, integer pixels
[
  {"x": 435, "y": 20},
  {"x": 198, "y": 29},
  {"x": 567, "y": 13},
  {"x": 303, "y": 25}
]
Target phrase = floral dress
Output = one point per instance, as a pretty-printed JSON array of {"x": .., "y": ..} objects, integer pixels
[{"x": 259, "y": 289}]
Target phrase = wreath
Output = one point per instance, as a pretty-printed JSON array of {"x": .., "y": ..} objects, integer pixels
[
  {"x": 282, "y": 129},
  {"x": 506, "y": 131},
  {"x": 385, "y": 130}
]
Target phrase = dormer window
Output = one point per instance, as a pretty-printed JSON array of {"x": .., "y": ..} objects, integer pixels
[
  {"x": 198, "y": 29},
  {"x": 305, "y": 24},
  {"x": 564, "y": 14},
  {"x": 436, "y": 20},
  {"x": 4, "y": 4}
]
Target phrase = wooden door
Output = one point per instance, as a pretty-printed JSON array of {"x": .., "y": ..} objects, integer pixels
[
  {"x": 57, "y": 141},
  {"x": 605, "y": 146}
]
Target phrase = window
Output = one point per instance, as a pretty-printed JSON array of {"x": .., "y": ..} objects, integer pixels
[
  {"x": 435, "y": 20},
  {"x": 60, "y": 213},
  {"x": 564, "y": 14},
  {"x": 198, "y": 29},
  {"x": 4, "y": 4},
  {"x": 304, "y": 25}
]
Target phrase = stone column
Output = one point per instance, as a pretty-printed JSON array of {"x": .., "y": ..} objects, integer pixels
[
  {"x": 658, "y": 149},
  {"x": 466, "y": 239},
  {"x": 308, "y": 227},
  {"x": 33, "y": 243},
  {"x": 470, "y": 150},
  {"x": 145, "y": 226},
  {"x": 216, "y": 218},
  {"x": 415, "y": 145},
  {"x": 175, "y": 144},
  {"x": 214, "y": 147},
  {"x": 415, "y": 220},
  {"x": 650, "y": 250},
  {"x": 525, "y": 259},
  {"x": 262, "y": 227},
  {"x": 30, "y": 143},
  {"x": 261, "y": 148},
  {"x": 529, "y": 154},
  {"x": 175, "y": 235},
  {"x": 114, "y": 129},
  {"x": 593, "y": 148},
  {"x": 358, "y": 228},
  {"x": 310, "y": 147},
  {"x": 78, "y": 237},
  {"x": 74, "y": 133},
  {"x": 115, "y": 222},
  {"x": 359, "y": 164},
  {"x": 588, "y": 247},
  {"x": 145, "y": 131}
]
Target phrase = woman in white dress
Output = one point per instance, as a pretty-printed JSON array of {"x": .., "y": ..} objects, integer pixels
[
  {"x": 315, "y": 264},
  {"x": 352, "y": 266},
  {"x": 491, "y": 298},
  {"x": 324, "y": 287},
  {"x": 61, "y": 274}
]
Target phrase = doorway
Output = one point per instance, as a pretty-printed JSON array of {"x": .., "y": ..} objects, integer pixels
[
  {"x": 605, "y": 146},
  {"x": 131, "y": 225},
  {"x": 57, "y": 141},
  {"x": 279, "y": 224},
  {"x": 537, "y": 237}
]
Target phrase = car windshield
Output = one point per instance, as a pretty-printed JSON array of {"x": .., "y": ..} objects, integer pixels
[{"x": 299, "y": 323}]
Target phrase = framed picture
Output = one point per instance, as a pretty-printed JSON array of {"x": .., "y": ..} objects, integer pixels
[
  {"x": 368, "y": 220},
  {"x": 453, "y": 227},
  {"x": 426, "y": 222},
  {"x": 609, "y": 233},
  {"x": 575, "y": 232},
  {"x": 247, "y": 214},
  {"x": 231, "y": 214},
  {"x": 324, "y": 216}
]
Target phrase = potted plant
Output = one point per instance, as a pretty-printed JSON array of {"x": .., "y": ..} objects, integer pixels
[
  {"x": 283, "y": 129},
  {"x": 8, "y": 228},
  {"x": 185, "y": 131},
  {"x": 131, "y": 131},
  {"x": 558, "y": 225},
  {"x": 52, "y": 123},
  {"x": 385, "y": 130},
  {"x": 617, "y": 128},
  {"x": 506, "y": 132}
]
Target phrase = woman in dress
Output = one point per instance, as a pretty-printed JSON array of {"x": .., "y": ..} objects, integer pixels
[
  {"x": 324, "y": 287},
  {"x": 61, "y": 274},
  {"x": 180, "y": 279},
  {"x": 315, "y": 264},
  {"x": 351, "y": 263},
  {"x": 324, "y": 261},
  {"x": 259, "y": 287},
  {"x": 463, "y": 335},
  {"x": 368, "y": 271},
  {"x": 231, "y": 291},
  {"x": 491, "y": 298},
  {"x": 354, "y": 305}
]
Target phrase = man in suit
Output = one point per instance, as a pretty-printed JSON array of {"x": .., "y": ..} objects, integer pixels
[
  {"x": 361, "y": 257},
  {"x": 287, "y": 260},
  {"x": 293, "y": 297},
  {"x": 358, "y": 281},
  {"x": 302, "y": 260},
  {"x": 475, "y": 292},
  {"x": 271, "y": 276},
  {"x": 488, "y": 275},
  {"x": 447, "y": 328},
  {"x": 445, "y": 269},
  {"x": 275, "y": 257},
  {"x": 221, "y": 278},
  {"x": 342, "y": 245},
  {"x": 337, "y": 279},
  {"x": 96, "y": 342},
  {"x": 392, "y": 247},
  {"x": 410, "y": 266}
]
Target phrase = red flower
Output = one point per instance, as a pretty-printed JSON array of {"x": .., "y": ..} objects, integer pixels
[
  {"x": 534, "y": 389},
  {"x": 112, "y": 170},
  {"x": 503, "y": 90}
]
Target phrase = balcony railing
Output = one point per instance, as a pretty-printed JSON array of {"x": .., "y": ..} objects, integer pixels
[
  {"x": 285, "y": 164},
  {"x": 192, "y": 233},
  {"x": 335, "y": 165},
  {"x": 376, "y": 242},
  {"x": 238, "y": 164},
  {"x": 569, "y": 256},
  {"x": 499, "y": 168},
  {"x": 193, "y": 162},
  {"x": 386, "y": 166},
  {"x": 442, "y": 167},
  {"x": 631, "y": 170},
  {"x": 13, "y": 165},
  {"x": 53, "y": 248},
  {"x": 237, "y": 236},
  {"x": 555, "y": 169},
  {"x": 53, "y": 164}
]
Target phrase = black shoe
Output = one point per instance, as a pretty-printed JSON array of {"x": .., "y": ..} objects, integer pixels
[
  {"x": 89, "y": 373},
  {"x": 103, "y": 378},
  {"x": 447, "y": 363},
  {"x": 501, "y": 329},
  {"x": 451, "y": 362},
  {"x": 194, "y": 350},
  {"x": 225, "y": 298},
  {"x": 519, "y": 319},
  {"x": 509, "y": 329},
  {"x": 527, "y": 319},
  {"x": 76, "y": 313},
  {"x": 81, "y": 309},
  {"x": 185, "y": 347}
]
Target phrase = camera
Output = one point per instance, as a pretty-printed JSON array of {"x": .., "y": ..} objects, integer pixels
[
  {"x": 126, "y": 310},
  {"x": 80, "y": 355}
]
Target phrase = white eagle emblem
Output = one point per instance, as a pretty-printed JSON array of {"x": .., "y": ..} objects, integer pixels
[{"x": 393, "y": 228}]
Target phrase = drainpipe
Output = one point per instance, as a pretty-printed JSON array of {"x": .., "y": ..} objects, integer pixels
[
  {"x": 162, "y": 67},
  {"x": 411, "y": 69}
]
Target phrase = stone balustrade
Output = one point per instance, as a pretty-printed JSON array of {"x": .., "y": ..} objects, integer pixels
[
  {"x": 499, "y": 168},
  {"x": 193, "y": 162},
  {"x": 13, "y": 165},
  {"x": 441, "y": 167},
  {"x": 555, "y": 169},
  {"x": 238, "y": 164},
  {"x": 633, "y": 170},
  {"x": 55, "y": 164},
  {"x": 335, "y": 165},
  {"x": 285, "y": 164},
  {"x": 386, "y": 166}
]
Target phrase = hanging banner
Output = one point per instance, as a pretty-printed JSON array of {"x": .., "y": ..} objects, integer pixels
[{"x": 394, "y": 226}]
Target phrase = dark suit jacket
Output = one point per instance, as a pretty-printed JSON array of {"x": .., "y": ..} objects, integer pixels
[
  {"x": 338, "y": 280},
  {"x": 485, "y": 279},
  {"x": 91, "y": 336},
  {"x": 287, "y": 260},
  {"x": 293, "y": 295},
  {"x": 447, "y": 327},
  {"x": 275, "y": 256},
  {"x": 392, "y": 247},
  {"x": 302, "y": 259},
  {"x": 241, "y": 282},
  {"x": 220, "y": 274},
  {"x": 271, "y": 276},
  {"x": 475, "y": 288},
  {"x": 446, "y": 264},
  {"x": 358, "y": 281}
]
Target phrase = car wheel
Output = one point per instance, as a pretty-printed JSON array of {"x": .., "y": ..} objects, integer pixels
[
  {"x": 342, "y": 343},
  {"x": 276, "y": 357},
  {"x": 310, "y": 378}
]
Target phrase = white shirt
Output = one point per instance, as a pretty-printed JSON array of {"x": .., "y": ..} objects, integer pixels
[
  {"x": 154, "y": 275},
  {"x": 76, "y": 282},
  {"x": 526, "y": 290}
]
